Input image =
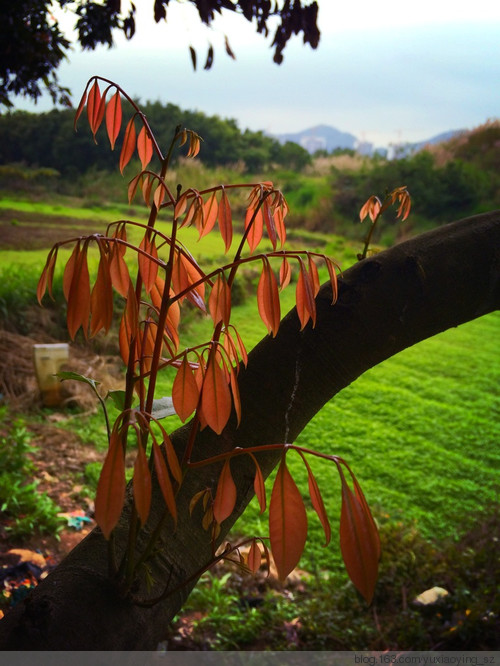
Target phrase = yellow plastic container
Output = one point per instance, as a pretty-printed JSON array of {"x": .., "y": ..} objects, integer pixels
[{"x": 48, "y": 360}]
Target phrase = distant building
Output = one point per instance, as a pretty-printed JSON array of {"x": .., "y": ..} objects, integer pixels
[
  {"x": 364, "y": 148},
  {"x": 313, "y": 142}
]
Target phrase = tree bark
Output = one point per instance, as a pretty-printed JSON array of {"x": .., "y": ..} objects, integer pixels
[{"x": 386, "y": 303}]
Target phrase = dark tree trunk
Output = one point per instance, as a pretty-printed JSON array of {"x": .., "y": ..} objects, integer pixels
[{"x": 386, "y": 303}]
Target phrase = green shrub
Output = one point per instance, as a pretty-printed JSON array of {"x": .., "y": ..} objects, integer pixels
[{"x": 23, "y": 510}]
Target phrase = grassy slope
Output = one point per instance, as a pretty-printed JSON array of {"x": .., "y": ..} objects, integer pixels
[{"x": 420, "y": 431}]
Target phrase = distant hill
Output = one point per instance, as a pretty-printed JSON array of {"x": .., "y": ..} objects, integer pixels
[
  {"x": 321, "y": 137},
  {"x": 325, "y": 137}
]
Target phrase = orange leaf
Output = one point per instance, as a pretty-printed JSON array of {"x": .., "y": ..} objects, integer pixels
[
  {"x": 132, "y": 186},
  {"x": 225, "y": 220},
  {"x": 144, "y": 147},
  {"x": 285, "y": 273},
  {"x": 164, "y": 480},
  {"x": 69, "y": 270},
  {"x": 101, "y": 299},
  {"x": 78, "y": 311},
  {"x": 359, "y": 541},
  {"x": 313, "y": 272},
  {"x": 47, "y": 275},
  {"x": 159, "y": 195},
  {"x": 219, "y": 302},
  {"x": 118, "y": 271},
  {"x": 185, "y": 393},
  {"x": 254, "y": 558},
  {"x": 243, "y": 351},
  {"x": 95, "y": 111},
  {"x": 256, "y": 225},
  {"x": 110, "y": 494},
  {"x": 210, "y": 211},
  {"x": 317, "y": 501},
  {"x": 333, "y": 278},
  {"x": 279, "y": 221},
  {"x": 306, "y": 306},
  {"x": 114, "y": 118},
  {"x": 81, "y": 105},
  {"x": 269, "y": 220},
  {"x": 235, "y": 390},
  {"x": 172, "y": 460},
  {"x": 128, "y": 145},
  {"x": 287, "y": 522},
  {"x": 259, "y": 485},
  {"x": 268, "y": 298},
  {"x": 371, "y": 207},
  {"x": 147, "y": 266},
  {"x": 215, "y": 397},
  {"x": 225, "y": 496},
  {"x": 142, "y": 485},
  {"x": 129, "y": 325}
]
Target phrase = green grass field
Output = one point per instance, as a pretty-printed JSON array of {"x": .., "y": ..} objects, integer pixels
[{"x": 420, "y": 431}]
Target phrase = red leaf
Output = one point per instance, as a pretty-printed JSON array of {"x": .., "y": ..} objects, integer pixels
[
  {"x": 254, "y": 558},
  {"x": 279, "y": 221},
  {"x": 172, "y": 460},
  {"x": 317, "y": 501},
  {"x": 236, "y": 394},
  {"x": 47, "y": 275},
  {"x": 313, "y": 272},
  {"x": 333, "y": 278},
  {"x": 147, "y": 266},
  {"x": 210, "y": 212},
  {"x": 259, "y": 485},
  {"x": 81, "y": 105},
  {"x": 144, "y": 147},
  {"x": 219, "y": 302},
  {"x": 142, "y": 485},
  {"x": 225, "y": 220},
  {"x": 359, "y": 541},
  {"x": 128, "y": 145},
  {"x": 164, "y": 480},
  {"x": 118, "y": 271},
  {"x": 285, "y": 273},
  {"x": 129, "y": 324},
  {"x": 110, "y": 494},
  {"x": 94, "y": 113},
  {"x": 268, "y": 298},
  {"x": 78, "y": 311},
  {"x": 287, "y": 522},
  {"x": 101, "y": 299},
  {"x": 269, "y": 220},
  {"x": 215, "y": 397},
  {"x": 114, "y": 118},
  {"x": 225, "y": 496},
  {"x": 185, "y": 393},
  {"x": 306, "y": 306},
  {"x": 257, "y": 225}
]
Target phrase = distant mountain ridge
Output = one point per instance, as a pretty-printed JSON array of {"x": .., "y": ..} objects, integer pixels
[
  {"x": 320, "y": 137},
  {"x": 326, "y": 137}
]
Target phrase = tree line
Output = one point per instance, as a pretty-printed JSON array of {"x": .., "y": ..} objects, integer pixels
[{"x": 48, "y": 140}]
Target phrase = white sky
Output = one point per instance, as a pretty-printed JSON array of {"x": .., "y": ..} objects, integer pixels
[{"x": 386, "y": 71}]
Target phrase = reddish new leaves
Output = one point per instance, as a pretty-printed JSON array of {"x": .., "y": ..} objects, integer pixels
[
  {"x": 359, "y": 540},
  {"x": 287, "y": 522},
  {"x": 111, "y": 486},
  {"x": 154, "y": 289}
]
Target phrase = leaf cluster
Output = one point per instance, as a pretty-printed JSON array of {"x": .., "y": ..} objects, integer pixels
[{"x": 155, "y": 289}]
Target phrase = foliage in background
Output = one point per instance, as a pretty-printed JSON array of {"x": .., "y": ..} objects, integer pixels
[{"x": 23, "y": 510}]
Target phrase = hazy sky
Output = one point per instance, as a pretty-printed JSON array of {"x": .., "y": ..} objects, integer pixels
[{"x": 386, "y": 71}]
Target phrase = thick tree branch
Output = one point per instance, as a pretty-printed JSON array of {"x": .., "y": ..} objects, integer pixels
[{"x": 386, "y": 303}]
